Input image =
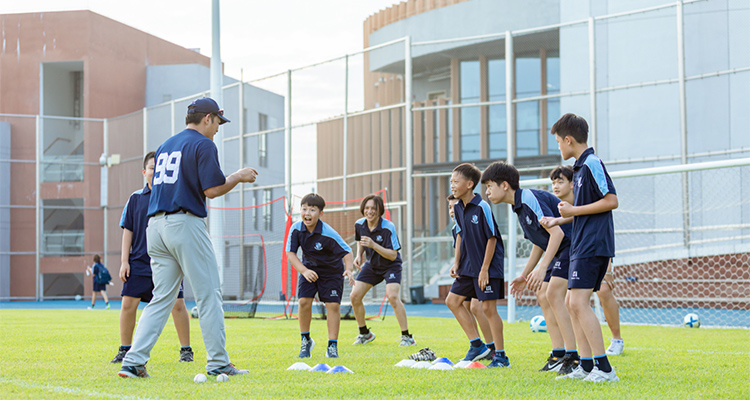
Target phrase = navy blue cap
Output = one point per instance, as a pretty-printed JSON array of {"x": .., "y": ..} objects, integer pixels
[{"x": 209, "y": 106}]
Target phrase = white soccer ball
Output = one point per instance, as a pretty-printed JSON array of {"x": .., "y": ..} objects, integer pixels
[
  {"x": 78, "y": 297},
  {"x": 691, "y": 321},
  {"x": 194, "y": 312},
  {"x": 538, "y": 324},
  {"x": 200, "y": 378},
  {"x": 222, "y": 378}
]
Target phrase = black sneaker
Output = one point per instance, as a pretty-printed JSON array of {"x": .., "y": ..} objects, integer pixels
[
  {"x": 228, "y": 369},
  {"x": 553, "y": 364},
  {"x": 120, "y": 355},
  {"x": 135, "y": 371},
  {"x": 186, "y": 354},
  {"x": 424, "y": 355},
  {"x": 568, "y": 365}
]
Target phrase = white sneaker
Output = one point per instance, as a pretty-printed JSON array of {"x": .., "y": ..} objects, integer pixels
[
  {"x": 616, "y": 347},
  {"x": 407, "y": 341},
  {"x": 364, "y": 339},
  {"x": 578, "y": 373},
  {"x": 597, "y": 375}
]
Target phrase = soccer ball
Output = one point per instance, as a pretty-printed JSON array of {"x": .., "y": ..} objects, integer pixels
[
  {"x": 691, "y": 321},
  {"x": 538, "y": 324},
  {"x": 194, "y": 312}
]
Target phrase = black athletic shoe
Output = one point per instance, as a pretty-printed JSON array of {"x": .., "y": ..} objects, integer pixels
[
  {"x": 553, "y": 364},
  {"x": 120, "y": 355},
  {"x": 228, "y": 369},
  {"x": 186, "y": 354},
  {"x": 136, "y": 371},
  {"x": 568, "y": 365}
]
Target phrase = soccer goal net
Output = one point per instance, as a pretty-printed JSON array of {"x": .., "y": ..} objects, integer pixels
[{"x": 682, "y": 237}]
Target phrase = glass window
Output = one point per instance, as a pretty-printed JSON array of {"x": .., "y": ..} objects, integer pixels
[
  {"x": 470, "y": 117},
  {"x": 262, "y": 140},
  {"x": 267, "y": 209},
  {"x": 436, "y": 135},
  {"x": 553, "y": 105},
  {"x": 497, "y": 123},
  {"x": 528, "y": 119},
  {"x": 449, "y": 129}
]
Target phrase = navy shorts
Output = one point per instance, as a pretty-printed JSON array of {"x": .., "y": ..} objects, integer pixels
[
  {"x": 98, "y": 287},
  {"x": 329, "y": 288},
  {"x": 587, "y": 273},
  {"x": 558, "y": 267},
  {"x": 469, "y": 287},
  {"x": 373, "y": 276},
  {"x": 142, "y": 287}
]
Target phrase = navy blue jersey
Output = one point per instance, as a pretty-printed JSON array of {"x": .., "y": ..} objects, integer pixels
[
  {"x": 476, "y": 225},
  {"x": 593, "y": 235},
  {"x": 530, "y": 206},
  {"x": 186, "y": 165},
  {"x": 135, "y": 219},
  {"x": 462, "y": 257},
  {"x": 323, "y": 250},
  {"x": 385, "y": 235}
]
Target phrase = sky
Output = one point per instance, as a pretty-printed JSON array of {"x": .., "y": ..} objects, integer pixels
[{"x": 259, "y": 38}]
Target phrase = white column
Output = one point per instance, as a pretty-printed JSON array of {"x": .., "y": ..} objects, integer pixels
[
  {"x": 37, "y": 203},
  {"x": 346, "y": 125},
  {"x": 592, "y": 84}
]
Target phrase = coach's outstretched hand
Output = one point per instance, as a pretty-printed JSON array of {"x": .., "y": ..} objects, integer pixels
[{"x": 247, "y": 175}]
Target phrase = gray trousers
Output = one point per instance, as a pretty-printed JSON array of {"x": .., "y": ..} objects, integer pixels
[{"x": 179, "y": 246}]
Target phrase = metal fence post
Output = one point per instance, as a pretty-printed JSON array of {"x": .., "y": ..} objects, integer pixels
[
  {"x": 510, "y": 250},
  {"x": 37, "y": 203},
  {"x": 346, "y": 125},
  {"x": 683, "y": 123},
  {"x": 408, "y": 157}
]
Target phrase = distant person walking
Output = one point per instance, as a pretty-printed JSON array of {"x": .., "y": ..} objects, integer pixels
[
  {"x": 101, "y": 280},
  {"x": 187, "y": 171}
]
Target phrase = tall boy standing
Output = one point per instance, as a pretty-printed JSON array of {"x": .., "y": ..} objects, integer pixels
[
  {"x": 562, "y": 187},
  {"x": 592, "y": 246},
  {"x": 322, "y": 269},
  {"x": 551, "y": 245},
  {"x": 481, "y": 277}
]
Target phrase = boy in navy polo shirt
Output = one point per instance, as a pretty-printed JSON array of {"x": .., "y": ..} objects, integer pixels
[
  {"x": 473, "y": 305},
  {"x": 592, "y": 245},
  {"x": 481, "y": 276},
  {"x": 562, "y": 187},
  {"x": 321, "y": 271},
  {"x": 551, "y": 246},
  {"x": 135, "y": 270},
  {"x": 378, "y": 259}
]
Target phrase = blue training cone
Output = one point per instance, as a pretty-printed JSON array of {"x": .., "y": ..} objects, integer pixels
[
  {"x": 339, "y": 368},
  {"x": 444, "y": 360},
  {"x": 320, "y": 368}
]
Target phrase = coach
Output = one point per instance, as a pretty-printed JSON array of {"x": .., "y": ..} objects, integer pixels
[{"x": 187, "y": 171}]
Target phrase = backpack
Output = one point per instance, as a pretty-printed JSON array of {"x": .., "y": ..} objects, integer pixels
[{"x": 102, "y": 276}]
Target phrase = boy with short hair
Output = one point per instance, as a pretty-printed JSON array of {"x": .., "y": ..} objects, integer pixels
[
  {"x": 473, "y": 305},
  {"x": 562, "y": 187},
  {"x": 321, "y": 271},
  {"x": 592, "y": 245},
  {"x": 551, "y": 245},
  {"x": 135, "y": 271},
  {"x": 481, "y": 276}
]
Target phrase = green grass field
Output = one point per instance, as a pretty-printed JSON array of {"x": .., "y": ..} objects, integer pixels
[{"x": 65, "y": 354}]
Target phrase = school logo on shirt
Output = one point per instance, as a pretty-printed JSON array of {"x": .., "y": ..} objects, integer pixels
[
  {"x": 580, "y": 183},
  {"x": 574, "y": 276},
  {"x": 528, "y": 220},
  {"x": 379, "y": 238},
  {"x": 318, "y": 246},
  {"x": 488, "y": 289},
  {"x": 393, "y": 276},
  {"x": 334, "y": 293},
  {"x": 475, "y": 219}
]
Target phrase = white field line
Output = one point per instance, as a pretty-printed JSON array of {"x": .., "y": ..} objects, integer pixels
[
  {"x": 698, "y": 351},
  {"x": 62, "y": 389}
]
